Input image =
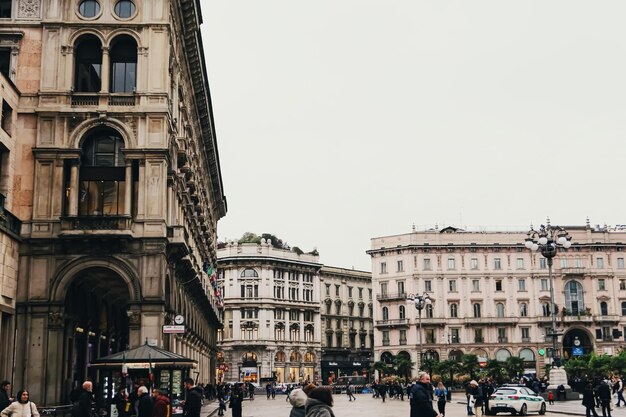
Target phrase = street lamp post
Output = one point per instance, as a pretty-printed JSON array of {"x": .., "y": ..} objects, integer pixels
[
  {"x": 420, "y": 302},
  {"x": 547, "y": 240}
]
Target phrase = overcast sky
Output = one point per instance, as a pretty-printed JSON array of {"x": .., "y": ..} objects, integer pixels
[{"x": 342, "y": 120}]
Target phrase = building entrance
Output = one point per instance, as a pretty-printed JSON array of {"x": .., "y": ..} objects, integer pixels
[{"x": 577, "y": 342}]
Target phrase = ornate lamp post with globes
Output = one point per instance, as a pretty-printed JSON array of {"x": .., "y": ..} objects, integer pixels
[
  {"x": 420, "y": 302},
  {"x": 547, "y": 240}
]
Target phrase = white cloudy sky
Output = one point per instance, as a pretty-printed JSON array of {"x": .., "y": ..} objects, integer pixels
[{"x": 342, "y": 120}]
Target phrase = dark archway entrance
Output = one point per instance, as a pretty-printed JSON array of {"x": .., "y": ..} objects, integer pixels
[
  {"x": 96, "y": 322},
  {"x": 576, "y": 338}
]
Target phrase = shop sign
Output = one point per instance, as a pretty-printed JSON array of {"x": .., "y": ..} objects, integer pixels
[
  {"x": 346, "y": 364},
  {"x": 174, "y": 328}
]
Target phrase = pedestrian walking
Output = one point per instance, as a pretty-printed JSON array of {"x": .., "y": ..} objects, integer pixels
[
  {"x": 236, "y": 401},
  {"x": 193, "y": 399},
  {"x": 476, "y": 393},
  {"x": 161, "y": 407},
  {"x": 382, "y": 389},
  {"x": 551, "y": 397},
  {"x": 23, "y": 407},
  {"x": 82, "y": 407},
  {"x": 589, "y": 401},
  {"x": 319, "y": 403},
  {"x": 268, "y": 390},
  {"x": 421, "y": 403},
  {"x": 350, "y": 391},
  {"x": 618, "y": 387},
  {"x": 121, "y": 402},
  {"x": 144, "y": 402},
  {"x": 298, "y": 401},
  {"x": 441, "y": 394},
  {"x": 603, "y": 391}
]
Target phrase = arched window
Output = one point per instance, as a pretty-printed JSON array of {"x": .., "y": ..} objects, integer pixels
[
  {"x": 476, "y": 309},
  {"x": 455, "y": 355},
  {"x": 523, "y": 310},
  {"x": 88, "y": 64},
  {"x": 309, "y": 357},
  {"x": 295, "y": 357},
  {"x": 385, "y": 313},
  {"x": 574, "y": 297},
  {"x": 249, "y": 273},
  {"x": 527, "y": 354},
  {"x": 500, "y": 310},
  {"x": 123, "y": 65},
  {"x": 429, "y": 311},
  {"x": 454, "y": 310},
  {"x": 604, "y": 309},
  {"x": 102, "y": 175},
  {"x": 402, "y": 312},
  {"x": 249, "y": 357},
  {"x": 280, "y": 357},
  {"x": 502, "y": 355},
  {"x": 387, "y": 357}
]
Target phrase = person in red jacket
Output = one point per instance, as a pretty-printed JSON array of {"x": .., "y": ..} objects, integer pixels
[{"x": 161, "y": 406}]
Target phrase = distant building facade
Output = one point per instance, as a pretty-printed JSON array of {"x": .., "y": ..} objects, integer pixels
[
  {"x": 272, "y": 322},
  {"x": 491, "y": 295},
  {"x": 118, "y": 186},
  {"x": 347, "y": 325}
]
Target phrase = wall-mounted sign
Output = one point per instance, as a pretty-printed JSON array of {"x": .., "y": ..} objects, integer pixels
[{"x": 174, "y": 329}]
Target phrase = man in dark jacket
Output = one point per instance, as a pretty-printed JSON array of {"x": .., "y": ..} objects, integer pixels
[
  {"x": 421, "y": 402},
  {"x": 82, "y": 407},
  {"x": 477, "y": 393},
  {"x": 144, "y": 402},
  {"x": 603, "y": 391},
  {"x": 5, "y": 395},
  {"x": 193, "y": 402}
]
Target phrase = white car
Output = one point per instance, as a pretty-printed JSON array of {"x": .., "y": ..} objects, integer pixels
[{"x": 516, "y": 400}]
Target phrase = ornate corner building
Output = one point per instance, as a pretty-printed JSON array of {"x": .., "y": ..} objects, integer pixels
[
  {"x": 347, "y": 324},
  {"x": 117, "y": 181},
  {"x": 272, "y": 323},
  {"x": 491, "y": 295}
]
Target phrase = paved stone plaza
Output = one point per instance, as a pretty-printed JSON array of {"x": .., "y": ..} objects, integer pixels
[{"x": 365, "y": 405}]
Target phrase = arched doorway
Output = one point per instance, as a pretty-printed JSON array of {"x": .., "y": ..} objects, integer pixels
[
  {"x": 577, "y": 342},
  {"x": 96, "y": 320}
]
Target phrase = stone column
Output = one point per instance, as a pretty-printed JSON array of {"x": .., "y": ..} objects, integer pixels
[
  {"x": 72, "y": 210},
  {"x": 128, "y": 195},
  {"x": 105, "y": 73}
]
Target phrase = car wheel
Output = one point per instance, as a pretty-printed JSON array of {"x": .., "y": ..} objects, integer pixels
[
  {"x": 523, "y": 410},
  {"x": 542, "y": 410}
]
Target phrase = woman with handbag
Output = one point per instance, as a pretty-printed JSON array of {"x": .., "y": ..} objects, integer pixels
[{"x": 23, "y": 407}]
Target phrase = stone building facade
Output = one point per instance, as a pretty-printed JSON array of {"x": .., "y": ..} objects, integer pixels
[
  {"x": 272, "y": 322},
  {"x": 347, "y": 324},
  {"x": 491, "y": 295},
  {"x": 119, "y": 185},
  {"x": 9, "y": 224}
]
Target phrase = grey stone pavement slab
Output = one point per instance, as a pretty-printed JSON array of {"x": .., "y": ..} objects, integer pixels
[{"x": 366, "y": 406}]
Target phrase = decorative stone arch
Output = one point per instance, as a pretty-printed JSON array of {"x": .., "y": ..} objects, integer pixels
[
  {"x": 86, "y": 31},
  {"x": 502, "y": 355},
  {"x": 64, "y": 276},
  {"x": 122, "y": 32},
  {"x": 81, "y": 131}
]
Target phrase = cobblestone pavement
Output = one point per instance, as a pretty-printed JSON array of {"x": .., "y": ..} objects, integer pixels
[{"x": 366, "y": 406}]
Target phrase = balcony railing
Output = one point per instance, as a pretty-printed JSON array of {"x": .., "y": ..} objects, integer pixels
[
  {"x": 96, "y": 223},
  {"x": 389, "y": 296},
  {"x": 614, "y": 318},
  {"x": 393, "y": 322},
  {"x": 122, "y": 100},
  {"x": 96, "y": 99},
  {"x": 573, "y": 271},
  {"x": 89, "y": 99},
  {"x": 503, "y": 339}
]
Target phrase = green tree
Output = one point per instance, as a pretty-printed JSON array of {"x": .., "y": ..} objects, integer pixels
[
  {"x": 495, "y": 370},
  {"x": 600, "y": 366},
  {"x": 470, "y": 365},
  {"x": 402, "y": 365},
  {"x": 577, "y": 367},
  {"x": 618, "y": 363},
  {"x": 514, "y": 367},
  {"x": 429, "y": 364},
  {"x": 381, "y": 367},
  {"x": 250, "y": 237},
  {"x": 448, "y": 368},
  {"x": 276, "y": 242}
]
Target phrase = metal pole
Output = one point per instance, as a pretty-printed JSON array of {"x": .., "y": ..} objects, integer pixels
[
  {"x": 553, "y": 313},
  {"x": 419, "y": 310}
]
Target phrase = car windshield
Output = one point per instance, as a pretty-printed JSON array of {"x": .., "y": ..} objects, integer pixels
[{"x": 506, "y": 391}]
